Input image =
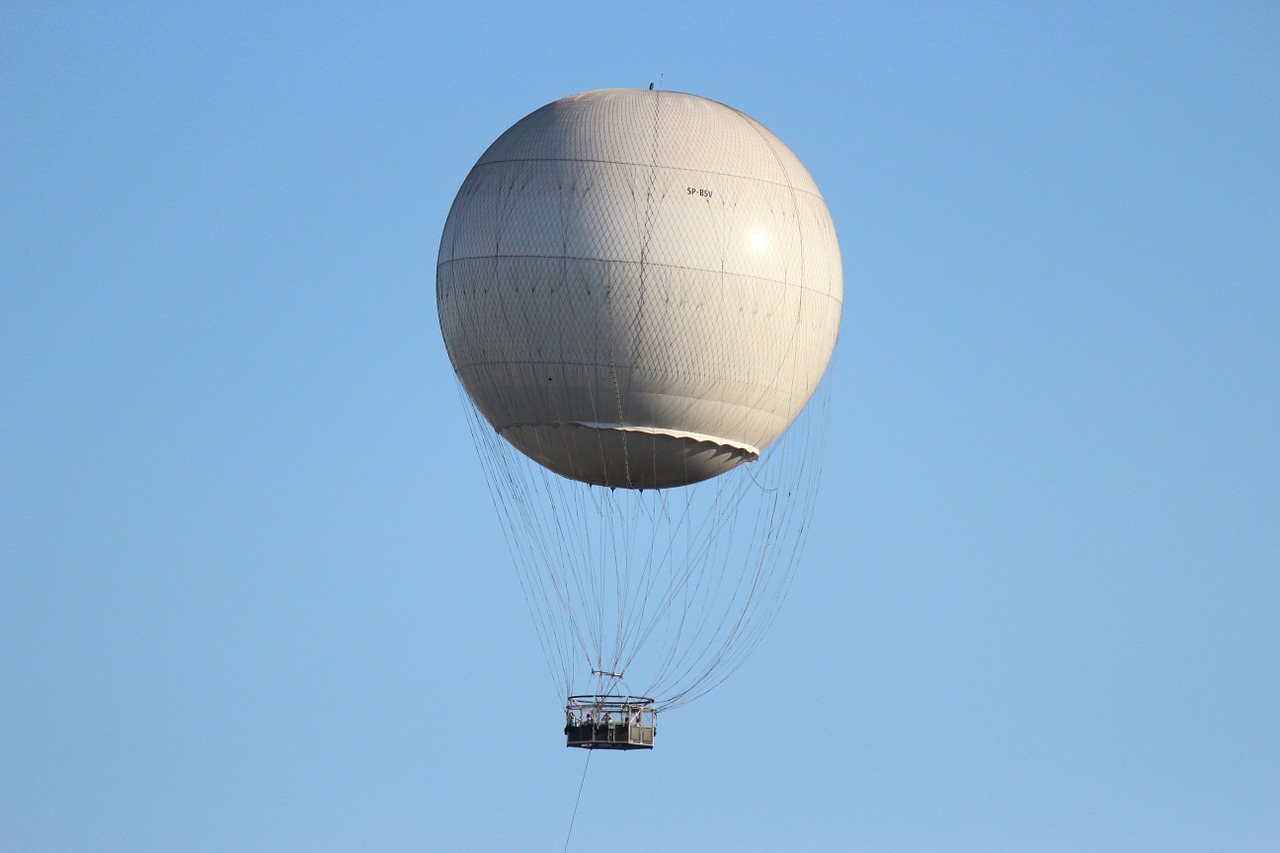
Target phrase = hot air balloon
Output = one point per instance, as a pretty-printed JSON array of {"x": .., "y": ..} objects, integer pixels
[{"x": 639, "y": 291}]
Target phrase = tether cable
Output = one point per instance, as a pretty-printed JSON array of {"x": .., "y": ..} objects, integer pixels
[{"x": 574, "y": 817}]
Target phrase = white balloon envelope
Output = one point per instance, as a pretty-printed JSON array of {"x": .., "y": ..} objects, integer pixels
[{"x": 639, "y": 289}]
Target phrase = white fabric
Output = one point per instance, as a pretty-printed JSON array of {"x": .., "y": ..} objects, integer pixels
[{"x": 639, "y": 288}]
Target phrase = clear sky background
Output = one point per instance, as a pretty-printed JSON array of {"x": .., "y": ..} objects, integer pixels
[{"x": 254, "y": 595}]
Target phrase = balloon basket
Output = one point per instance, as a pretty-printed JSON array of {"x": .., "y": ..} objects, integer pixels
[{"x": 610, "y": 722}]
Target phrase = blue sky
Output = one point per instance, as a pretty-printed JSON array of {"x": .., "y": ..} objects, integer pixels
[{"x": 253, "y": 594}]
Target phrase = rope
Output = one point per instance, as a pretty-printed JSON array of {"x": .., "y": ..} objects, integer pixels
[{"x": 574, "y": 817}]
